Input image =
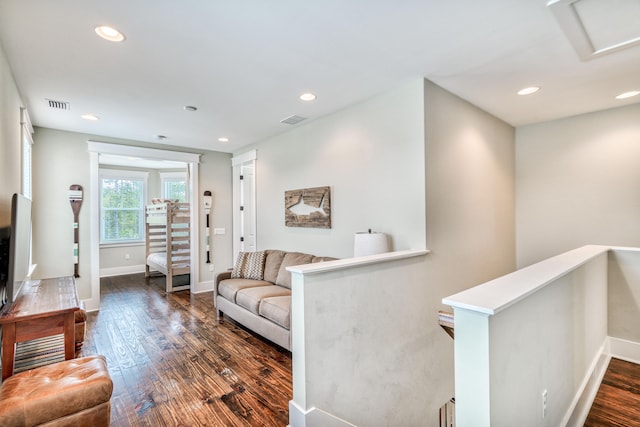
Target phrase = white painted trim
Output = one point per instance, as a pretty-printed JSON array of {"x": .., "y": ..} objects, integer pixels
[
  {"x": 95, "y": 149},
  {"x": 498, "y": 294},
  {"x": 583, "y": 400},
  {"x": 313, "y": 417},
  {"x": 93, "y": 303},
  {"x": 119, "y": 271},
  {"x": 148, "y": 153},
  {"x": 202, "y": 287},
  {"x": 624, "y": 349},
  {"x": 195, "y": 222},
  {"x": 574, "y": 28},
  {"x": 244, "y": 157},
  {"x": 343, "y": 264},
  {"x": 578, "y": 411},
  {"x": 238, "y": 163}
]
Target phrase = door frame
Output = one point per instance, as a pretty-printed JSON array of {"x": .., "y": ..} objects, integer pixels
[
  {"x": 238, "y": 162},
  {"x": 95, "y": 149}
]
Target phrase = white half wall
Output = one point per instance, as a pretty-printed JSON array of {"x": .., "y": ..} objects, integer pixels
[{"x": 539, "y": 331}]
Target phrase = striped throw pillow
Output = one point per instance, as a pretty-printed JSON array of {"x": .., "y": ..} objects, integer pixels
[{"x": 249, "y": 265}]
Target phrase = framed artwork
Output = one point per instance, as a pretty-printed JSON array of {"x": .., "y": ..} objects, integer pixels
[{"x": 308, "y": 207}]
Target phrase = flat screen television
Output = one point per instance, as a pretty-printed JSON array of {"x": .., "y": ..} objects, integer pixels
[{"x": 16, "y": 248}]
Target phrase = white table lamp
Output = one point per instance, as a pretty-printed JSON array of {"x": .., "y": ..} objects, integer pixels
[{"x": 368, "y": 243}]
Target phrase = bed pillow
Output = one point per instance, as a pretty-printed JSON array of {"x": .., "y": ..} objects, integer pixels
[{"x": 249, "y": 265}]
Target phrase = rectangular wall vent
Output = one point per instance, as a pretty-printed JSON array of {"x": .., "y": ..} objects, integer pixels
[
  {"x": 292, "y": 120},
  {"x": 58, "y": 105}
]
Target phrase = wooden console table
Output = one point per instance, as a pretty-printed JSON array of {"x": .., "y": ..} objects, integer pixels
[{"x": 42, "y": 308}]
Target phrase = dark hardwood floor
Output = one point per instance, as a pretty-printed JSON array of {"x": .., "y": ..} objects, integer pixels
[
  {"x": 173, "y": 365},
  {"x": 617, "y": 402}
]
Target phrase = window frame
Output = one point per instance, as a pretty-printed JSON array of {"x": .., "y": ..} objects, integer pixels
[
  {"x": 123, "y": 174},
  {"x": 26, "y": 154},
  {"x": 174, "y": 177}
]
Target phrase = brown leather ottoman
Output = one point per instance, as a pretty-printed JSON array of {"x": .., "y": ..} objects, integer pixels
[{"x": 70, "y": 393}]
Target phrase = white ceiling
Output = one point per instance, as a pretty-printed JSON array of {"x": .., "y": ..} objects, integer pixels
[{"x": 244, "y": 63}]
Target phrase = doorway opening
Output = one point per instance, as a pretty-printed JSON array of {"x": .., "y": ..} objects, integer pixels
[{"x": 120, "y": 157}]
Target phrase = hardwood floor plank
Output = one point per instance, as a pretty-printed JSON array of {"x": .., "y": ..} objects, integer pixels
[
  {"x": 173, "y": 365},
  {"x": 617, "y": 402}
]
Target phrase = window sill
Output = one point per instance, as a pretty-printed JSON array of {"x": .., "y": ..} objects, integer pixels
[{"x": 121, "y": 245}]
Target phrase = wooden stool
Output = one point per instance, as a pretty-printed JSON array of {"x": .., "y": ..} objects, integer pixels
[
  {"x": 69, "y": 393},
  {"x": 80, "y": 317}
]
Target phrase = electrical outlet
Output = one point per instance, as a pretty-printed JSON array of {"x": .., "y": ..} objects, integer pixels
[
  {"x": 127, "y": 256},
  {"x": 544, "y": 403},
  {"x": 211, "y": 267},
  {"x": 219, "y": 231}
]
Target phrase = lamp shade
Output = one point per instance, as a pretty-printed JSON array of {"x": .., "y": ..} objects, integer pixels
[{"x": 368, "y": 243}]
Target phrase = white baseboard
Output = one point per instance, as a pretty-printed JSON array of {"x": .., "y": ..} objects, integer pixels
[
  {"x": 581, "y": 405},
  {"x": 202, "y": 287},
  {"x": 119, "y": 271},
  {"x": 314, "y": 417},
  {"x": 625, "y": 350},
  {"x": 612, "y": 347}
]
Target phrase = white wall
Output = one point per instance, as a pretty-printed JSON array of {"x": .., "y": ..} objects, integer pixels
[
  {"x": 424, "y": 166},
  {"x": 577, "y": 183},
  {"x": 215, "y": 176},
  {"x": 370, "y": 154},
  {"x": 624, "y": 295},
  {"x": 470, "y": 191},
  {"x": 60, "y": 159},
  {"x": 10, "y": 142}
]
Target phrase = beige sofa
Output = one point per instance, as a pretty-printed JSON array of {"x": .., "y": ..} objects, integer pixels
[{"x": 257, "y": 292}]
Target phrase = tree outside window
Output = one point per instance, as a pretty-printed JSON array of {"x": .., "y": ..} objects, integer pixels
[
  {"x": 122, "y": 207},
  {"x": 174, "y": 186}
]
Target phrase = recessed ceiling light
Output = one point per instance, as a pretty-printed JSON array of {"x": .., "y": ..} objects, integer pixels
[
  {"x": 109, "y": 33},
  {"x": 223, "y": 139},
  {"x": 90, "y": 117},
  {"x": 190, "y": 108},
  {"x": 628, "y": 94},
  {"x": 528, "y": 90},
  {"x": 307, "y": 97}
]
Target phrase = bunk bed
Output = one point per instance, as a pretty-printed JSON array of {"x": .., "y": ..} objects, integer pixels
[{"x": 168, "y": 240}]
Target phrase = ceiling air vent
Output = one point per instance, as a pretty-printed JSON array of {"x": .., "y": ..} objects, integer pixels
[
  {"x": 292, "y": 120},
  {"x": 58, "y": 105}
]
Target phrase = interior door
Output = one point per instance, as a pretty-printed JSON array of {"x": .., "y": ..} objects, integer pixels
[{"x": 245, "y": 237}]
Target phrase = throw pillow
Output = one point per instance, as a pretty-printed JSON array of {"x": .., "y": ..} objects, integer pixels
[
  {"x": 290, "y": 259},
  {"x": 249, "y": 265}
]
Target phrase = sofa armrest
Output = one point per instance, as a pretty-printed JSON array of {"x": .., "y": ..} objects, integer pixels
[{"x": 219, "y": 278}]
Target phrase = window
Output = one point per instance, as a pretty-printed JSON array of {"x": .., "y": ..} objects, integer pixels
[
  {"x": 27, "y": 142},
  {"x": 174, "y": 186},
  {"x": 122, "y": 196}
]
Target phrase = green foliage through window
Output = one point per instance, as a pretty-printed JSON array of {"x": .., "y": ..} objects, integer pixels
[
  {"x": 121, "y": 210},
  {"x": 175, "y": 189}
]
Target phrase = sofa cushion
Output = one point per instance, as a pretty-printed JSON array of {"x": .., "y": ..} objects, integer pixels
[
  {"x": 249, "y": 265},
  {"x": 291, "y": 258},
  {"x": 250, "y": 298},
  {"x": 272, "y": 264},
  {"x": 228, "y": 288},
  {"x": 277, "y": 309}
]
